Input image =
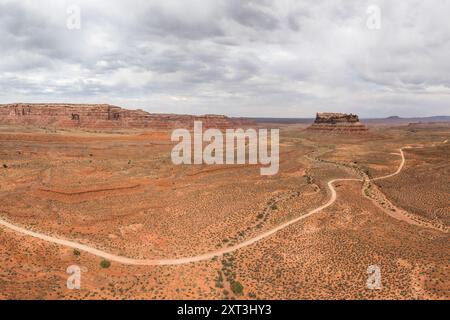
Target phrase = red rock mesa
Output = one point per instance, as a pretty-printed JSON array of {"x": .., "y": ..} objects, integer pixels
[
  {"x": 338, "y": 123},
  {"x": 104, "y": 116}
]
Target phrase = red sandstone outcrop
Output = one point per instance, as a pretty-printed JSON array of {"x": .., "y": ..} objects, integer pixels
[
  {"x": 104, "y": 116},
  {"x": 338, "y": 123}
]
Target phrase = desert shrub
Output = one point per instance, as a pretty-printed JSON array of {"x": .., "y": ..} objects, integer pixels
[
  {"x": 76, "y": 252},
  {"x": 237, "y": 287},
  {"x": 105, "y": 263}
]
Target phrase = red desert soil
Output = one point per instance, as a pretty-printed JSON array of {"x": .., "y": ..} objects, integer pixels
[{"x": 158, "y": 211}]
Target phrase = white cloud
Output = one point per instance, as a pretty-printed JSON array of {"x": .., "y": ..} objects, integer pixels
[{"x": 243, "y": 58}]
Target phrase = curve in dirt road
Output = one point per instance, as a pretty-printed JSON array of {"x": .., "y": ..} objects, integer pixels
[
  {"x": 202, "y": 257},
  {"x": 400, "y": 167},
  {"x": 176, "y": 261}
]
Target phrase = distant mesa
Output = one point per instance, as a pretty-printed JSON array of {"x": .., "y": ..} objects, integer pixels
[
  {"x": 105, "y": 116},
  {"x": 337, "y": 123},
  {"x": 425, "y": 125}
]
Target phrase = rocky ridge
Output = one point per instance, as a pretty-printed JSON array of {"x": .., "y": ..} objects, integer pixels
[{"x": 105, "y": 116}]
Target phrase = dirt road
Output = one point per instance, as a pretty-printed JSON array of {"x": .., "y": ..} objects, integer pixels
[
  {"x": 150, "y": 262},
  {"x": 206, "y": 256}
]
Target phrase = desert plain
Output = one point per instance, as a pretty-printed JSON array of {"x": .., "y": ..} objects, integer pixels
[{"x": 118, "y": 192}]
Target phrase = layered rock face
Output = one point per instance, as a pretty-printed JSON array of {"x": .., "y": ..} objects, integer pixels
[
  {"x": 104, "y": 116},
  {"x": 338, "y": 123}
]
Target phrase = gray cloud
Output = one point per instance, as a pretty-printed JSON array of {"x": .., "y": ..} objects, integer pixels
[
  {"x": 254, "y": 14},
  {"x": 243, "y": 58}
]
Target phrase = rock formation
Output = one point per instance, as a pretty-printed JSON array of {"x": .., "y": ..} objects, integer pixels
[
  {"x": 337, "y": 123},
  {"x": 104, "y": 116}
]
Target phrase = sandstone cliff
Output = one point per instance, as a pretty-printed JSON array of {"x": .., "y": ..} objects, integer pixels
[
  {"x": 104, "y": 116},
  {"x": 338, "y": 123}
]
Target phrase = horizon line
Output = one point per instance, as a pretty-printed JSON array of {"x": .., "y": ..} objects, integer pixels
[{"x": 216, "y": 114}]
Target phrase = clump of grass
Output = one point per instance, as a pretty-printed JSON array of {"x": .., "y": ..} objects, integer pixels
[
  {"x": 105, "y": 264},
  {"x": 237, "y": 287}
]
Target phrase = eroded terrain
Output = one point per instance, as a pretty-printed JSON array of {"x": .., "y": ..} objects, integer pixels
[{"x": 119, "y": 192}]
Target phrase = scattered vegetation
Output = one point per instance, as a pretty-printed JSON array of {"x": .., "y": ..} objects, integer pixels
[
  {"x": 309, "y": 179},
  {"x": 237, "y": 287},
  {"x": 105, "y": 264}
]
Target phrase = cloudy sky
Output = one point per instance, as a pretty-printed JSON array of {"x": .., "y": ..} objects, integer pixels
[{"x": 278, "y": 58}]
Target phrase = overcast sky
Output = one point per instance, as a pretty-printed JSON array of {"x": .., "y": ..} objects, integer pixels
[{"x": 241, "y": 58}]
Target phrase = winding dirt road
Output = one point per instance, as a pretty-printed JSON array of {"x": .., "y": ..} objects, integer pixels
[
  {"x": 400, "y": 167},
  {"x": 150, "y": 262},
  {"x": 206, "y": 256}
]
